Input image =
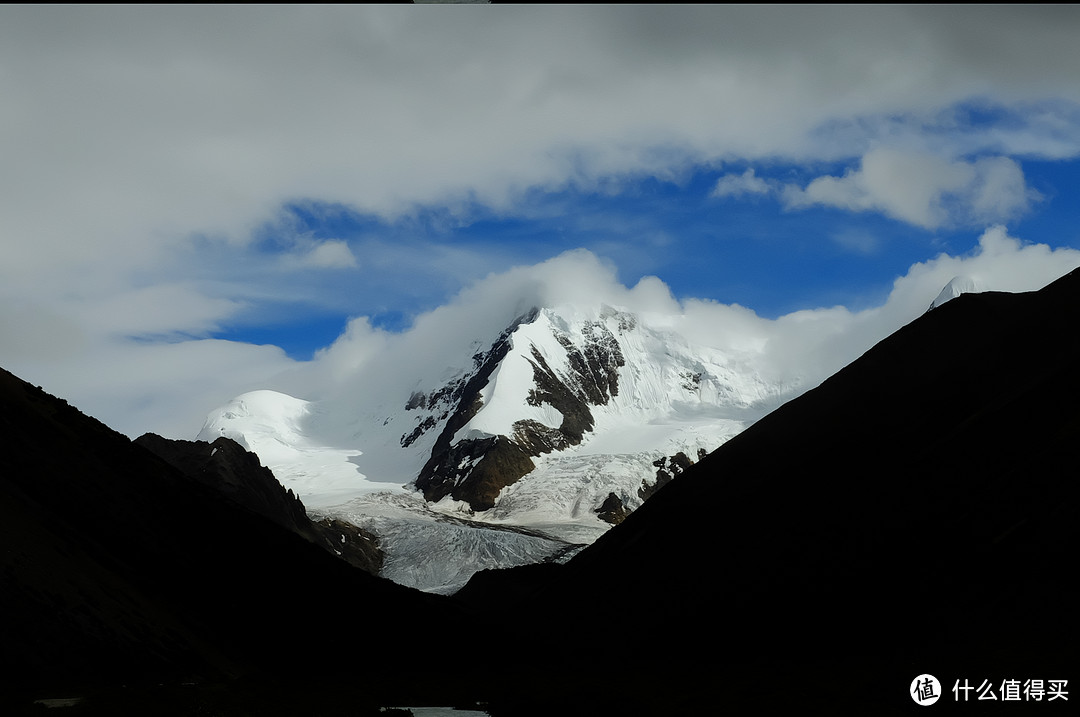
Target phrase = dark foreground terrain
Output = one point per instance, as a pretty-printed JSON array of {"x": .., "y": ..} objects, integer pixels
[{"x": 916, "y": 513}]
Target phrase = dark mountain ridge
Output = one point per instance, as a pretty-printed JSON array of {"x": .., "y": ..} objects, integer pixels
[
  {"x": 914, "y": 513},
  {"x": 118, "y": 568},
  {"x": 237, "y": 474}
]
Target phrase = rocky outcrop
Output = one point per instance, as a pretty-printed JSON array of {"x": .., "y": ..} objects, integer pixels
[
  {"x": 238, "y": 475},
  {"x": 227, "y": 467},
  {"x": 594, "y": 367},
  {"x": 354, "y": 545},
  {"x": 474, "y": 471},
  {"x": 667, "y": 468},
  {"x": 456, "y": 402},
  {"x": 613, "y": 510},
  {"x": 560, "y": 394}
]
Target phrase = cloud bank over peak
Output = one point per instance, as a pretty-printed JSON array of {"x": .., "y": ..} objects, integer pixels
[
  {"x": 373, "y": 367},
  {"x": 168, "y": 387},
  {"x": 432, "y": 348}
]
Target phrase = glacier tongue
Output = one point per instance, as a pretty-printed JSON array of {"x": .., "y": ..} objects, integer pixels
[
  {"x": 563, "y": 494},
  {"x": 438, "y": 551}
]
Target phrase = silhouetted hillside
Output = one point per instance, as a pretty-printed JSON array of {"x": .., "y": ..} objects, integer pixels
[
  {"x": 117, "y": 568},
  {"x": 916, "y": 513},
  {"x": 236, "y": 473}
]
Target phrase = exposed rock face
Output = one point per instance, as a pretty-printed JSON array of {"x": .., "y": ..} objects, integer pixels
[
  {"x": 459, "y": 400},
  {"x": 613, "y": 510},
  {"x": 448, "y": 399},
  {"x": 354, "y": 545},
  {"x": 471, "y": 469},
  {"x": 236, "y": 473},
  {"x": 666, "y": 470},
  {"x": 595, "y": 369},
  {"x": 559, "y": 393},
  {"x": 475, "y": 469}
]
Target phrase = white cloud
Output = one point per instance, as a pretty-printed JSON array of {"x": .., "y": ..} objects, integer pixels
[
  {"x": 810, "y": 345},
  {"x": 736, "y": 185},
  {"x": 165, "y": 388},
  {"x": 334, "y": 254},
  {"x": 822, "y": 341},
  {"x": 168, "y": 387},
  {"x": 922, "y": 189},
  {"x": 127, "y": 131},
  {"x": 157, "y": 310},
  {"x": 367, "y": 367},
  {"x": 124, "y": 129},
  {"x": 998, "y": 191}
]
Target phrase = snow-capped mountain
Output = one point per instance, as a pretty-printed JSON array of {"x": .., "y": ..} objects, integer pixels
[
  {"x": 536, "y": 441},
  {"x": 957, "y": 285}
]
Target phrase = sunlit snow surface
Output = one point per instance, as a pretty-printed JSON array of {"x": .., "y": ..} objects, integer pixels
[
  {"x": 271, "y": 424},
  {"x": 957, "y": 286},
  {"x": 345, "y": 457}
]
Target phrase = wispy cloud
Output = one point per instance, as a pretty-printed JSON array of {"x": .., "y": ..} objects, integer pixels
[
  {"x": 738, "y": 185},
  {"x": 322, "y": 255}
]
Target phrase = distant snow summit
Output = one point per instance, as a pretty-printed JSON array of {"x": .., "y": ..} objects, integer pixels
[{"x": 561, "y": 424}]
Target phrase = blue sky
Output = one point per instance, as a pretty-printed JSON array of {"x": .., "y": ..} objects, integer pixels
[
  {"x": 748, "y": 250},
  {"x": 198, "y": 201}
]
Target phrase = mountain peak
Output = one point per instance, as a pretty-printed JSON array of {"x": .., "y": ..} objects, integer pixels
[
  {"x": 535, "y": 426},
  {"x": 957, "y": 285}
]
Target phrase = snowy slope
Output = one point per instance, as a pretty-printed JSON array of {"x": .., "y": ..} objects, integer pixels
[
  {"x": 664, "y": 378},
  {"x": 957, "y": 285},
  {"x": 272, "y": 425},
  {"x": 586, "y": 400}
]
